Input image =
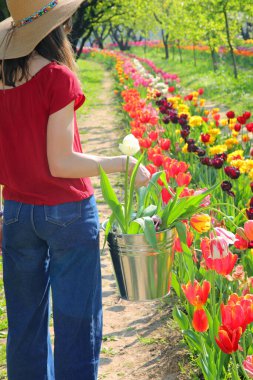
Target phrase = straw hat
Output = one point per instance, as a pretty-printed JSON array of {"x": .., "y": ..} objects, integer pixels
[{"x": 30, "y": 22}]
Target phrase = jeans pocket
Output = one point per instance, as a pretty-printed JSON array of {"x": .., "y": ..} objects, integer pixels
[
  {"x": 11, "y": 212},
  {"x": 63, "y": 214}
]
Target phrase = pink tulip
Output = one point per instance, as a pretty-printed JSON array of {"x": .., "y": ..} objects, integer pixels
[
  {"x": 218, "y": 248},
  {"x": 228, "y": 236},
  {"x": 248, "y": 366},
  {"x": 248, "y": 229}
]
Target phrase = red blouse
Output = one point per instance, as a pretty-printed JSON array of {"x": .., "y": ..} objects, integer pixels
[{"x": 24, "y": 113}]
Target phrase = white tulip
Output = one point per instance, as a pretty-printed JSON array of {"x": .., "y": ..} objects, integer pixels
[{"x": 130, "y": 145}]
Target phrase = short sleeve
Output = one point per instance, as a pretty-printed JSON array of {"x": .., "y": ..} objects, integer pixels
[{"x": 63, "y": 89}]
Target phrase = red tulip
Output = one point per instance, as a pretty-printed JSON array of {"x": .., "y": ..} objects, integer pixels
[
  {"x": 232, "y": 316},
  {"x": 249, "y": 127},
  {"x": 241, "y": 119},
  {"x": 183, "y": 179},
  {"x": 164, "y": 144},
  {"x": 240, "y": 242},
  {"x": 166, "y": 196},
  {"x": 242, "y": 310},
  {"x": 230, "y": 114},
  {"x": 151, "y": 168},
  {"x": 145, "y": 143},
  {"x": 205, "y": 137},
  {"x": 157, "y": 159},
  {"x": 247, "y": 115},
  {"x": 138, "y": 133},
  {"x": 153, "y": 135},
  {"x": 171, "y": 89},
  {"x": 237, "y": 127},
  {"x": 200, "y": 321},
  {"x": 201, "y": 91},
  {"x": 177, "y": 167},
  {"x": 197, "y": 294},
  {"x": 228, "y": 340},
  {"x": 189, "y": 240}
]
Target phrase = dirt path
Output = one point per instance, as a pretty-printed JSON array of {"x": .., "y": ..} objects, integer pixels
[{"x": 139, "y": 339}]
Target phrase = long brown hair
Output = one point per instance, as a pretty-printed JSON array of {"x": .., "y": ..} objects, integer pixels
[{"x": 54, "y": 47}]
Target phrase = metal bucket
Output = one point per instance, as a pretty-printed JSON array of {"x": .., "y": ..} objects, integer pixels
[{"x": 141, "y": 273}]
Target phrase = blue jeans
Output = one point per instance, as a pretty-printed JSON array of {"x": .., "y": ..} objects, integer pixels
[{"x": 53, "y": 247}]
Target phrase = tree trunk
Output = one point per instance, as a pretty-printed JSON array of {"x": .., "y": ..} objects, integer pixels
[
  {"x": 99, "y": 39},
  {"x": 173, "y": 51},
  {"x": 179, "y": 51},
  {"x": 231, "y": 49},
  {"x": 80, "y": 50},
  {"x": 194, "y": 54},
  {"x": 165, "y": 37},
  {"x": 214, "y": 62},
  {"x": 245, "y": 31}
]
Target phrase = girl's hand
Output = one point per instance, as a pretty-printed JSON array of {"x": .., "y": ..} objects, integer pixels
[{"x": 143, "y": 175}]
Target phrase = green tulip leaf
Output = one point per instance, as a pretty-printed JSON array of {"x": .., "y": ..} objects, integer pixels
[
  {"x": 181, "y": 318},
  {"x": 131, "y": 189},
  {"x": 149, "y": 211},
  {"x": 111, "y": 198},
  {"x": 148, "y": 228}
]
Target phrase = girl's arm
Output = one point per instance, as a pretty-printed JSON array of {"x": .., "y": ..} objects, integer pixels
[{"x": 65, "y": 163}]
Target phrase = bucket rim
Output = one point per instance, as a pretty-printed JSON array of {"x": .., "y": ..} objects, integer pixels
[{"x": 103, "y": 226}]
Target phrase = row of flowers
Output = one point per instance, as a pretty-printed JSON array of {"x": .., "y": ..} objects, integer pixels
[
  {"x": 242, "y": 50},
  {"x": 197, "y": 147}
]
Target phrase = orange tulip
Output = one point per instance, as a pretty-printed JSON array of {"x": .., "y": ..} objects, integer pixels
[
  {"x": 183, "y": 179},
  {"x": 197, "y": 294},
  {"x": 201, "y": 222}
]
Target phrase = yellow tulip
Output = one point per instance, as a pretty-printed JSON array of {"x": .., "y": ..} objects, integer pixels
[{"x": 201, "y": 222}]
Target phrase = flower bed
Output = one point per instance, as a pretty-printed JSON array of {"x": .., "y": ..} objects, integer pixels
[{"x": 197, "y": 148}]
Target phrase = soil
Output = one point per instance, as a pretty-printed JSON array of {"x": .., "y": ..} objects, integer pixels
[{"x": 140, "y": 339}]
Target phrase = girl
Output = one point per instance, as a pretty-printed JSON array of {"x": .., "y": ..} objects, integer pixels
[{"x": 50, "y": 228}]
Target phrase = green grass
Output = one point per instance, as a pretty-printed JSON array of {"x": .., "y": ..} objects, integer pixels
[
  {"x": 91, "y": 75},
  {"x": 221, "y": 88}
]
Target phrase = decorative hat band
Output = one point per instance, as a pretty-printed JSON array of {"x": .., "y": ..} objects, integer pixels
[{"x": 41, "y": 12}]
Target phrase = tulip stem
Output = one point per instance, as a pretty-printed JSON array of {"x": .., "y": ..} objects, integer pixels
[
  {"x": 235, "y": 369},
  {"x": 225, "y": 216},
  {"x": 244, "y": 343},
  {"x": 126, "y": 194},
  {"x": 241, "y": 365},
  {"x": 213, "y": 300}
]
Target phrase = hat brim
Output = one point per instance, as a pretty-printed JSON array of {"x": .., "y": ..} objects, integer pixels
[{"x": 23, "y": 40}]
